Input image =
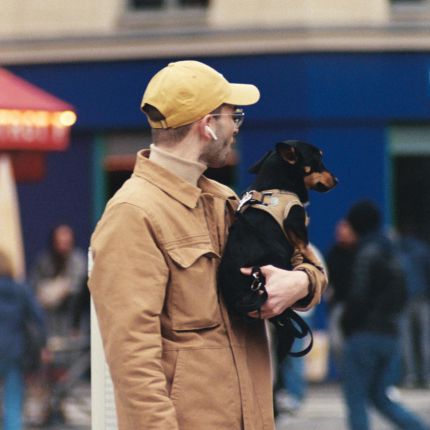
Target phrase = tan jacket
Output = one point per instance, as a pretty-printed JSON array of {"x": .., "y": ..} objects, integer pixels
[{"x": 177, "y": 360}]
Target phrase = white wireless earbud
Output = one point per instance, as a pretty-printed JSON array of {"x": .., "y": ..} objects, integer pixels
[{"x": 211, "y": 132}]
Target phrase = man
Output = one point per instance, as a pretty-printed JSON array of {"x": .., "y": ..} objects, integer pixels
[
  {"x": 177, "y": 359},
  {"x": 370, "y": 323}
]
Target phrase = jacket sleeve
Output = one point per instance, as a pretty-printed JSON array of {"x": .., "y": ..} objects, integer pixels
[
  {"x": 128, "y": 285},
  {"x": 306, "y": 261}
]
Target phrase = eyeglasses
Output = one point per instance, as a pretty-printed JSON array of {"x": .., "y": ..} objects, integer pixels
[{"x": 238, "y": 116}]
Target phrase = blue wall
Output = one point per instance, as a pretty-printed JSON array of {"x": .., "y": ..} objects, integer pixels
[
  {"x": 341, "y": 102},
  {"x": 63, "y": 196}
]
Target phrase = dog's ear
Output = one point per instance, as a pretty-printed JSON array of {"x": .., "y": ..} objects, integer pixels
[
  {"x": 287, "y": 151},
  {"x": 257, "y": 166}
]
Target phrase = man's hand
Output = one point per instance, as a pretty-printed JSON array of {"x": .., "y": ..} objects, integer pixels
[{"x": 284, "y": 288}]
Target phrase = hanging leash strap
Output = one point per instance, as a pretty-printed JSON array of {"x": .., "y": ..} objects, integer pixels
[{"x": 300, "y": 330}]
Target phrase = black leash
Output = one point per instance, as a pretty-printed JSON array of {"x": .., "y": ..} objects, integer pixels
[{"x": 289, "y": 322}]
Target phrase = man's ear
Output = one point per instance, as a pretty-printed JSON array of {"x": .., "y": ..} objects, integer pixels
[
  {"x": 287, "y": 151},
  {"x": 202, "y": 125}
]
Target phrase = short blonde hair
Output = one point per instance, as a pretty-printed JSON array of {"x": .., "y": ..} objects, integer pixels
[
  {"x": 165, "y": 135},
  {"x": 169, "y": 135}
]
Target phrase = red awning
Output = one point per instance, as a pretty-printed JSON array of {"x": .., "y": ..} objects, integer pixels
[
  {"x": 16, "y": 93},
  {"x": 31, "y": 118}
]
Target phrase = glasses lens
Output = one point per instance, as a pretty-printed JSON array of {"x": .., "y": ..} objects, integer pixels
[{"x": 239, "y": 116}]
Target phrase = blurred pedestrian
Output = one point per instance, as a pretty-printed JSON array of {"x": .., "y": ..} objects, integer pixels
[
  {"x": 57, "y": 277},
  {"x": 292, "y": 385},
  {"x": 415, "y": 327},
  {"x": 370, "y": 323},
  {"x": 339, "y": 261},
  {"x": 18, "y": 308}
]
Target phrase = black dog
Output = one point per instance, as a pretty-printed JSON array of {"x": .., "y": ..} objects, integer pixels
[{"x": 271, "y": 229}]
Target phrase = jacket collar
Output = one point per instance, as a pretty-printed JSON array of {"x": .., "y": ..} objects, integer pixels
[{"x": 176, "y": 187}]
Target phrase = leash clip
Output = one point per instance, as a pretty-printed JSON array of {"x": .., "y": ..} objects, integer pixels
[
  {"x": 246, "y": 198},
  {"x": 258, "y": 281}
]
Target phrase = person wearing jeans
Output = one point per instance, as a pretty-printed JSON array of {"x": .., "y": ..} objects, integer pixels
[
  {"x": 370, "y": 323},
  {"x": 371, "y": 367},
  {"x": 13, "y": 388},
  {"x": 292, "y": 376}
]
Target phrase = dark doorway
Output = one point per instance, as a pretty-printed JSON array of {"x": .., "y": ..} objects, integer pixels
[
  {"x": 116, "y": 177},
  {"x": 412, "y": 193}
]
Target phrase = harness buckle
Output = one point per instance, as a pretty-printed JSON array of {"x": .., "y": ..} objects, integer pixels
[{"x": 246, "y": 198}]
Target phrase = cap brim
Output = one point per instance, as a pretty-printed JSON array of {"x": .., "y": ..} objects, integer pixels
[{"x": 243, "y": 95}]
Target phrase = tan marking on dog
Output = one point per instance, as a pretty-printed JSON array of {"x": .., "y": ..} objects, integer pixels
[{"x": 324, "y": 178}]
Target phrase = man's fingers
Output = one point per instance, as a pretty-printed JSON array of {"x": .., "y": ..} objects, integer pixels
[
  {"x": 266, "y": 270},
  {"x": 246, "y": 270}
]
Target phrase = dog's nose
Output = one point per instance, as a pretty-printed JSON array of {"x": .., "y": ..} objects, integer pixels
[
  {"x": 326, "y": 182},
  {"x": 334, "y": 182}
]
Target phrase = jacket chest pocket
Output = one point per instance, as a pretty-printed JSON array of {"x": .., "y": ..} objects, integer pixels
[{"x": 192, "y": 299}]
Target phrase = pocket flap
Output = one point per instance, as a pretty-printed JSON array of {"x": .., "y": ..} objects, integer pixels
[{"x": 186, "y": 256}]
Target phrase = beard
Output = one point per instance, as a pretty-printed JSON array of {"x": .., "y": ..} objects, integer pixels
[{"x": 219, "y": 152}]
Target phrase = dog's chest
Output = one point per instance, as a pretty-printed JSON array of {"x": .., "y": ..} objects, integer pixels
[{"x": 263, "y": 240}]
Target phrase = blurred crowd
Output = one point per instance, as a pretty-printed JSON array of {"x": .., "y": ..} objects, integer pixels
[{"x": 44, "y": 333}]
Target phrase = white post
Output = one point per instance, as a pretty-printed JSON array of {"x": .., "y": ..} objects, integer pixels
[
  {"x": 11, "y": 243},
  {"x": 103, "y": 413}
]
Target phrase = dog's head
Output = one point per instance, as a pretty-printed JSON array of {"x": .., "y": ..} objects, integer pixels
[{"x": 294, "y": 166}]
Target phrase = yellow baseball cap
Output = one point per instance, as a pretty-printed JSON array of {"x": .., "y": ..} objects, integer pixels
[{"x": 186, "y": 91}]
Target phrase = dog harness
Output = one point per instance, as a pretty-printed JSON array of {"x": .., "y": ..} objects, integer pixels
[{"x": 276, "y": 203}]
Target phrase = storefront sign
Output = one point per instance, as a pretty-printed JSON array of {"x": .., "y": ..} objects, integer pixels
[{"x": 32, "y": 119}]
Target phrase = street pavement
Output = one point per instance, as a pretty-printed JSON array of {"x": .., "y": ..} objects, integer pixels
[
  {"x": 77, "y": 409},
  {"x": 322, "y": 410}
]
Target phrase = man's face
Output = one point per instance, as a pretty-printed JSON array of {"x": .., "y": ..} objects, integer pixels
[
  {"x": 215, "y": 152},
  {"x": 63, "y": 240}
]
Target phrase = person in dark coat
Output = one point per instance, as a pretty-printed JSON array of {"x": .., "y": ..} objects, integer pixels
[
  {"x": 17, "y": 305},
  {"x": 370, "y": 324},
  {"x": 340, "y": 259}
]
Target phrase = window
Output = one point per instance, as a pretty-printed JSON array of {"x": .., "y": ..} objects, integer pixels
[
  {"x": 159, "y": 14},
  {"x": 165, "y": 4}
]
